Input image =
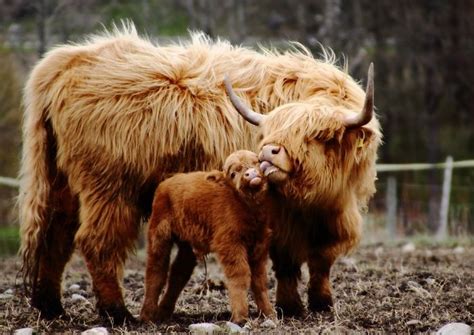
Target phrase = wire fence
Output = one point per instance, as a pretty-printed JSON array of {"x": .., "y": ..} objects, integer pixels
[{"x": 411, "y": 199}]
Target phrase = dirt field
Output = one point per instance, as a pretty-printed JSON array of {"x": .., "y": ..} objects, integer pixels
[{"x": 378, "y": 288}]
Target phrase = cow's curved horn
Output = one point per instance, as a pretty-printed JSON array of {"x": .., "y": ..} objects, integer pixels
[
  {"x": 248, "y": 114},
  {"x": 365, "y": 116}
]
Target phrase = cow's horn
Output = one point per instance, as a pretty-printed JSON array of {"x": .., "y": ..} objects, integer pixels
[
  {"x": 248, "y": 114},
  {"x": 365, "y": 116}
]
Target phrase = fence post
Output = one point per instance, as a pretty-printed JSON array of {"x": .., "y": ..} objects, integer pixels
[
  {"x": 391, "y": 203},
  {"x": 444, "y": 208}
]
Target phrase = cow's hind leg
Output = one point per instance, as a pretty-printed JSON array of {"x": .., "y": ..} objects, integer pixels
[
  {"x": 287, "y": 272},
  {"x": 109, "y": 227},
  {"x": 56, "y": 249},
  {"x": 180, "y": 272}
]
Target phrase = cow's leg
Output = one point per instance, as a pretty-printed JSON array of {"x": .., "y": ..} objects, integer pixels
[
  {"x": 233, "y": 259},
  {"x": 157, "y": 266},
  {"x": 319, "y": 290},
  {"x": 287, "y": 272},
  {"x": 56, "y": 250},
  {"x": 180, "y": 272},
  {"x": 107, "y": 233},
  {"x": 343, "y": 233}
]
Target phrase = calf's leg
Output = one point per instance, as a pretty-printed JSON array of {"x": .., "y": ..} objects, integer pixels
[
  {"x": 259, "y": 287},
  {"x": 180, "y": 272},
  {"x": 157, "y": 265},
  {"x": 233, "y": 259}
]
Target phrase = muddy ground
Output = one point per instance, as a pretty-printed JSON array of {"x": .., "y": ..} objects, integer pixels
[{"x": 379, "y": 288}]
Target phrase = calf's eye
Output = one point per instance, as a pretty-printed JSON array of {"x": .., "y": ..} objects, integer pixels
[{"x": 232, "y": 175}]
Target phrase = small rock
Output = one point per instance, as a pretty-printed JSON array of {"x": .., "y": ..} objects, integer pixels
[
  {"x": 458, "y": 250},
  {"x": 418, "y": 289},
  {"x": 9, "y": 291},
  {"x": 24, "y": 331},
  {"x": 77, "y": 297},
  {"x": 268, "y": 323},
  {"x": 5, "y": 296},
  {"x": 408, "y": 248},
  {"x": 454, "y": 328},
  {"x": 204, "y": 328},
  {"x": 95, "y": 331},
  {"x": 74, "y": 288},
  {"x": 379, "y": 251},
  {"x": 413, "y": 322},
  {"x": 349, "y": 262},
  {"x": 430, "y": 281},
  {"x": 233, "y": 328}
]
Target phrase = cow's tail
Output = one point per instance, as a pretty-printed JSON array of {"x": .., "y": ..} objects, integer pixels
[{"x": 37, "y": 166}]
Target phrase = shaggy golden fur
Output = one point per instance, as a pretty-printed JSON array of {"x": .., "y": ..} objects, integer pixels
[
  {"x": 220, "y": 212},
  {"x": 107, "y": 119}
]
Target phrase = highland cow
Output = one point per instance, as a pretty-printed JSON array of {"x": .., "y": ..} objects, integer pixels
[
  {"x": 107, "y": 119},
  {"x": 222, "y": 212}
]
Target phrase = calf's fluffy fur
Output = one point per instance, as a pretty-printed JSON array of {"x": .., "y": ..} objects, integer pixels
[{"x": 222, "y": 212}]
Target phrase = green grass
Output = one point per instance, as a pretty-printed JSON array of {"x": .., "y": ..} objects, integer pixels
[{"x": 9, "y": 240}]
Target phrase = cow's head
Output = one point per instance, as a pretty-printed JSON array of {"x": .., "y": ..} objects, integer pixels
[{"x": 312, "y": 150}]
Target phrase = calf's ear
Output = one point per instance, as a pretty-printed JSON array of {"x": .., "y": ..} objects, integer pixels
[{"x": 216, "y": 176}]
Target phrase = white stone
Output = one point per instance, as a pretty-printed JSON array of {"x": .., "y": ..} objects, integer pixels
[
  {"x": 5, "y": 296},
  {"x": 454, "y": 328},
  {"x": 413, "y": 322},
  {"x": 77, "y": 297},
  {"x": 379, "y": 251},
  {"x": 430, "y": 281},
  {"x": 349, "y": 262},
  {"x": 95, "y": 331},
  {"x": 268, "y": 323},
  {"x": 458, "y": 250},
  {"x": 418, "y": 289},
  {"x": 233, "y": 328},
  {"x": 204, "y": 328},
  {"x": 24, "y": 331},
  {"x": 9, "y": 291},
  {"x": 74, "y": 288},
  {"x": 408, "y": 248}
]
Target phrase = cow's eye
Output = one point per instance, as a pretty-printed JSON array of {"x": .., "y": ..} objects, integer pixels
[{"x": 232, "y": 175}]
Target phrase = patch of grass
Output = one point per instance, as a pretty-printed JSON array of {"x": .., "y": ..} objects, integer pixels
[{"x": 9, "y": 240}]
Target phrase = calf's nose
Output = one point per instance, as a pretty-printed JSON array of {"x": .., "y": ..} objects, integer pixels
[{"x": 251, "y": 174}]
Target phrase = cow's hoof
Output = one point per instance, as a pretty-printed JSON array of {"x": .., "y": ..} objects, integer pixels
[
  {"x": 117, "y": 315},
  {"x": 293, "y": 309},
  {"x": 50, "y": 308},
  {"x": 320, "y": 304},
  {"x": 163, "y": 314}
]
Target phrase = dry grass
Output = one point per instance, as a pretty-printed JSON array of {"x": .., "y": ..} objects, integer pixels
[{"x": 378, "y": 289}]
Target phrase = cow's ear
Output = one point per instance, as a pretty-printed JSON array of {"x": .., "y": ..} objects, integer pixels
[{"x": 359, "y": 137}]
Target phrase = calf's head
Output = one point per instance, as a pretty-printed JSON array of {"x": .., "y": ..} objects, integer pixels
[
  {"x": 242, "y": 169},
  {"x": 316, "y": 149}
]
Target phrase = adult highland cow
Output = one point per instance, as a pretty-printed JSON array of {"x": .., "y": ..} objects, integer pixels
[{"x": 106, "y": 120}]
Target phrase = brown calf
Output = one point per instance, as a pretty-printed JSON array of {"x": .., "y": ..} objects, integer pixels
[{"x": 203, "y": 212}]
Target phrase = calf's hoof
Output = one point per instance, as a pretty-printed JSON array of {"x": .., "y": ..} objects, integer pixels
[
  {"x": 320, "y": 303},
  {"x": 117, "y": 315}
]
